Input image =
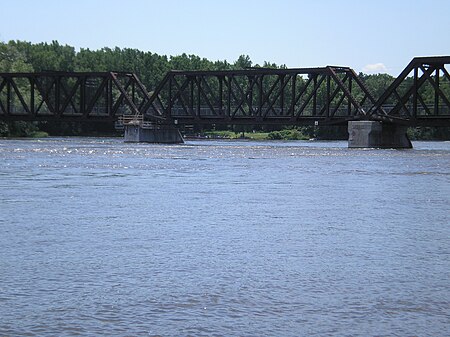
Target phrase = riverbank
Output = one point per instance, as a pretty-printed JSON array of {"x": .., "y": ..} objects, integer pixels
[
  {"x": 288, "y": 134},
  {"x": 21, "y": 129}
]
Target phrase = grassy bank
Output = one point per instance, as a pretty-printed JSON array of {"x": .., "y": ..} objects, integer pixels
[
  {"x": 38, "y": 134},
  {"x": 235, "y": 135},
  {"x": 289, "y": 134}
]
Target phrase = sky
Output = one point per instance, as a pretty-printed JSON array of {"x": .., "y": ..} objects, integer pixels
[{"x": 373, "y": 36}]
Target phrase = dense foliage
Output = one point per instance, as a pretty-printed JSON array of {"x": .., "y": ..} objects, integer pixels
[{"x": 21, "y": 56}]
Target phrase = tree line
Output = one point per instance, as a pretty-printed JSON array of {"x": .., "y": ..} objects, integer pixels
[{"x": 23, "y": 56}]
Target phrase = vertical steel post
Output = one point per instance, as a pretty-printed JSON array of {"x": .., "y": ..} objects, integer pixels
[
  {"x": 315, "y": 95},
  {"x": 349, "y": 103},
  {"x": 58, "y": 111},
  {"x": 199, "y": 93},
  {"x": 169, "y": 107},
  {"x": 261, "y": 94},
  {"x": 251, "y": 79},
  {"x": 292, "y": 108},
  {"x": 133, "y": 91},
  {"x": 220, "y": 78},
  {"x": 416, "y": 75},
  {"x": 191, "y": 97},
  {"x": 109, "y": 97},
  {"x": 328, "y": 95},
  {"x": 82, "y": 94},
  {"x": 436, "y": 93},
  {"x": 32, "y": 107},
  {"x": 282, "y": 95},
  {"x": 8, "y": 96},
  {"x": 229, "y": 96}
]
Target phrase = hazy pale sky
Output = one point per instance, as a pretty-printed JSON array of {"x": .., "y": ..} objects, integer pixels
[{"x": 367, "y": 35}]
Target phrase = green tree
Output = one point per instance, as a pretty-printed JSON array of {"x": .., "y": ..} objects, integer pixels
[
  {"x": 13, "y": 60},
  {"x": 242, "y": 62}
]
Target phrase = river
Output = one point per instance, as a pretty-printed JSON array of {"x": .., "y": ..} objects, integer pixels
[{"x": 223, "y": 238}]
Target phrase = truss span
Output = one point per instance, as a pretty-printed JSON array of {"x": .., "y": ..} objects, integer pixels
[
  {"x": 261, "y": 96},
  {"x": 102, "y": 96},
  {"x": 419, "y": 96}
]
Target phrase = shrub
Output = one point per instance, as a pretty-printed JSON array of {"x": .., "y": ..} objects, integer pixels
[{"x": 4, "y": 129}]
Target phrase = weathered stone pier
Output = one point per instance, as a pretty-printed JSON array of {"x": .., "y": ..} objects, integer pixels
[{"x": 374, "y": 134}]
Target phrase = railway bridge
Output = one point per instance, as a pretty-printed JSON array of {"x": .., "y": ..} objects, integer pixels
[{"x": 331, "y": 95}]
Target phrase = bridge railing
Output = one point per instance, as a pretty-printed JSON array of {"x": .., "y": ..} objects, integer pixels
[{"x": 134, "y": 120}]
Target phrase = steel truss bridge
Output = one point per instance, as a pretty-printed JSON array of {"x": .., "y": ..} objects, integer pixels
[{"x": 419, "y": 96}]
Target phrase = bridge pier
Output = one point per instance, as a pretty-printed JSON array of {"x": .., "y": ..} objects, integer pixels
[
  {"x": 373, "y": 134},
  {"x": 162, "y": 134}
]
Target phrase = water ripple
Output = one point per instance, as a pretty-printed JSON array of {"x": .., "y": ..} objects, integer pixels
[{"x": 223, "y": 238}]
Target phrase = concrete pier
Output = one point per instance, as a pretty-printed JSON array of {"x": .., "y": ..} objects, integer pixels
[
  {"x": 162, "y": 134},
  {"x": 373, "y": 134}
]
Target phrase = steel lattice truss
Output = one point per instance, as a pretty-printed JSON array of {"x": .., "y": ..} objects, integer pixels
[
  {"x": 420, "y": 95},
  {"x": 329, "y": 95},
  {"x": 70, "y": 96},
  {"x": 261, "y": 96}
]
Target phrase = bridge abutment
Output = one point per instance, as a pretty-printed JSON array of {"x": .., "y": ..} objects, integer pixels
[
  {"x": 373, "y": 134},
  {"x": 163, "y": 134}
]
